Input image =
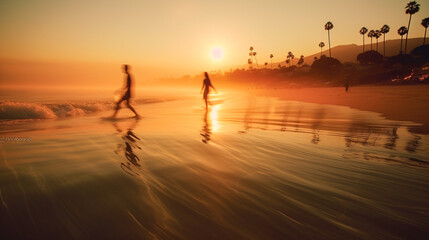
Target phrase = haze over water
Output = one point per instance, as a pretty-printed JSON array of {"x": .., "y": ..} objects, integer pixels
[{"x": 248, "y": 168}]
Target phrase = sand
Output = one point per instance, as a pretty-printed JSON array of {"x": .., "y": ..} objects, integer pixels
[{"x": 406, "y": 103}]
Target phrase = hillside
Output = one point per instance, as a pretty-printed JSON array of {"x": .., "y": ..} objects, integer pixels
[{"x": 348, "y": 53}]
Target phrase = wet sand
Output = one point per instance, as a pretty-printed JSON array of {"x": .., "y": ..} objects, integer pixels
[
  {"x": 248, "y": 168},
  {"x": 407, "y": 103}
]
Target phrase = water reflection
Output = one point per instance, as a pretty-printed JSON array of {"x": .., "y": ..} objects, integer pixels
[
  {"x": 318, "y": 117},
  {"x": 247, "y": 119},
  {"x": 285, "y": 117},
  {"x": 130, "y": 143},
  {"x": 391, "y": 140},
  {"x": 210, "y": 123},
  {"x": 316, "y": 137},
  {"x": 359, "y": 135},
  {"x": 298, "y": 117},
  {"x": 413, "y": 143},
  {"x": 356, "y": 128},
  {"x": 206, "y": 131}
]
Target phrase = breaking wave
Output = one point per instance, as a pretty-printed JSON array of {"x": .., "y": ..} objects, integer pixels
[{"x": 10, "y": 110}]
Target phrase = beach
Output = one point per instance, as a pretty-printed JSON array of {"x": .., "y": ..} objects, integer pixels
[
  {"x": 255, "y": 165},
  {"x": 214, "y": 120}
]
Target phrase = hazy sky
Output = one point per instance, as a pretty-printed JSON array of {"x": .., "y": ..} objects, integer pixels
[{"x": 176, "y": 37}]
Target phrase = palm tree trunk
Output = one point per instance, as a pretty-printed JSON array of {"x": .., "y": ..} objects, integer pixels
[
  {"x": 371, "y": 43},
  {"x": 321, "y": 52},
  {"x": 376, "y": 44},
  {"x": 424, "y": 38},
  {"x": 406, "y": 38},
  {"x": 329, "y": 41},
  {"x": 271, "y": 63},
  {"x": 400, "y": 52},
  {"x": 384, "y": 45},
  {"x": 363, "y": 45}
]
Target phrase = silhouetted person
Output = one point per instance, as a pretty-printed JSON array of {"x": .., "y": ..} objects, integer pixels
[
  {"x": 127, "y": 94},
  {"x": 206, "y": 87},
  {"x": 347, "y": 86}
]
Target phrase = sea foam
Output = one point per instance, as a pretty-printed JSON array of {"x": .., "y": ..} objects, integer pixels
[
  {"x": 22, "y": 110},
  {"x": 26, "y": 110},
  {"x": 11, "y": 110}
]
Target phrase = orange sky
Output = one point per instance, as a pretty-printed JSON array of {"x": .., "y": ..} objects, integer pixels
[{"x": 79, "y": 41}]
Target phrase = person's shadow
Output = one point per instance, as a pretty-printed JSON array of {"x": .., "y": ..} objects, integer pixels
[
  {"x": 130, "y": 144},
  {"x": 206, "y": 131}
]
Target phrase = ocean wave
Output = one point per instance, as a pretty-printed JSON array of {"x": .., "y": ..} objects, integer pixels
[
  {"x": 78, "y": 109},
  {"x": 23, "y": 110},
  {"x": 11, "y": 110}
]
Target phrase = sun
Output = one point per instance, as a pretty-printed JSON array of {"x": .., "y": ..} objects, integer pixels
[{"x": 217, "y": 53}]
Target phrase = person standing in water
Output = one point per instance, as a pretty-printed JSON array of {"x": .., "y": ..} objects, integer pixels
[
  {"x": 206, "y": 87},
  {"x": 127, "y": 94}
]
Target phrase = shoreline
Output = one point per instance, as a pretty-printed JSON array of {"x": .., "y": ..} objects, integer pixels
[{"x": 403, "y": 103}]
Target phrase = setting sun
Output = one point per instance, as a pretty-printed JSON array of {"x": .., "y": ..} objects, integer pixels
[{"x": 217, "y": 53}]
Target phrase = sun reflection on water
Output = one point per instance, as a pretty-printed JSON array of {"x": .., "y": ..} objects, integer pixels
[{"x": 214, "y": 118}]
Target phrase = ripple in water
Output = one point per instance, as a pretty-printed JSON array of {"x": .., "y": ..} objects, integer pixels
[{"x": 247, "y": 168}]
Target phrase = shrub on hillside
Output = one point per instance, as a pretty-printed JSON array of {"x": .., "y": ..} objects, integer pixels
[
  {"x": 326, "y": 66},
  {"x": 421, "y": 52},
  {"x": 403, "y": 59},
  {"x": 370, "y": 57}
]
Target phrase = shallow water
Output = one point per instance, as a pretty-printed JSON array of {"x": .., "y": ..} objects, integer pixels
[{"x": 248, "y": 168}]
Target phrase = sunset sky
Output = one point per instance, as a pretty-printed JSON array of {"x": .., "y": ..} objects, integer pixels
[{"x": 170, "y": 38}]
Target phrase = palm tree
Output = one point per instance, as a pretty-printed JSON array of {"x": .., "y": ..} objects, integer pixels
[
  {"x": 425, "y": 24},
  {"x": 385, "y": 29},
  {"x": 402, "y": 31},
  {"x": 411, "y": 8},
  {"x": 321, "y": 45},
  {"x": 249, "y": 61},
  {"x": 254, "y": 55},
  {"x": 301, "y": 60},
  {"x": 377, "y": 35},
  {"x": 371, "y": 34},
  {"x": 288, "y": 62},
  {"x": 329, "y": 26},
  {"x": 251, "y": 53},
  {"x": 266, "y": 64},
  {"x": 271, "y": 56},
  {"x": 363, "y": 31}
]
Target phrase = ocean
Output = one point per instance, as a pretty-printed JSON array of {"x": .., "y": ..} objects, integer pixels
[{"x": 249, "y": 167}]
